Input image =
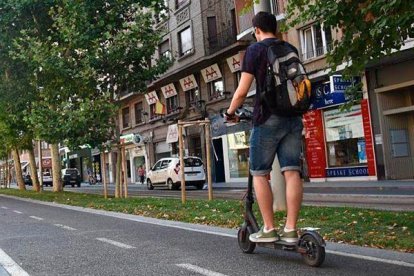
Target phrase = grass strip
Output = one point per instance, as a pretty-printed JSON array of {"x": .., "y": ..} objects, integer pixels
[{"x": 363, "y": 227}]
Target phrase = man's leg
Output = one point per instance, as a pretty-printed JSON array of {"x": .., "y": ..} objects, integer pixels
[
  {"x": 294, "y": 195},
  {"x": 264, "y": 199}
]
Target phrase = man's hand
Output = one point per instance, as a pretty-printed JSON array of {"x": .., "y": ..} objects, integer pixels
[{"x": 230, "y": 118}]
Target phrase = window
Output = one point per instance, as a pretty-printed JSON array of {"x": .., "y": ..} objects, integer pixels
[
  {"x": 345, "y": 137},
  {"x": 138, "y": 113},
  {"x": 275, "y": 6},
  {"x": 212, "y": 31},
  {"x": 164, "y": 49},
  {"x": 185, "y": 41},
  {"x": 316, "y": 41},
  {"x": 152, "y": 112},
  {"x": 125, "y": 117},
  {"x": 192, "y": 96},
  {"x": 216, "y": 89},
  {"x": 163, "y": 14},
  {"x": 238, "y": 154},
  {"x": 172, "y": 104},
  {"x": 180, "y": 3}
]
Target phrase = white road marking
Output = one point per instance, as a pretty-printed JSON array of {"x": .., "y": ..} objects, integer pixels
[
  {"x": 369, "y": 258},
  {"x": 188, "y": 227},
  {"x": 65, "y": 227},
  {"x": 11, "y": 266},
  {"x": 36, "y": 218},
  {"x": 119, "y": 244},
  {"x": 200, "y": 270},
  {"x": 4, "y": 207},
  {"x": 17, "y": 212}
]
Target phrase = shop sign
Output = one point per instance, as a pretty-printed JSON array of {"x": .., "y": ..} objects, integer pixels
[
  {"x": 172, "y": 134},
  {"x": 369, "y": 143},
  {"x": 151, "y": 97},
  {"x": 234, "y": 63},
  {"x": 47, "y": 163},
  {"x": 315, "y": 143},
  {"x": 211, "y": 73},
  {"x": 188, "y": 83},
  {"x": 331, "y": 92},
  {"x": 169, "y": 90},
  {"x": 344, "y": 172},
  {"x": 132, "y": 138}
]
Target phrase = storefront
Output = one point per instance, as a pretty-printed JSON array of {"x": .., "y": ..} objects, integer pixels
[{"x": 338, "y": 143}]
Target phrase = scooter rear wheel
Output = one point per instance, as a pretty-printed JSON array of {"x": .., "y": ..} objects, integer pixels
[
  {"x": 243, "y": 238},
  {"x": 315, "y": 253}
]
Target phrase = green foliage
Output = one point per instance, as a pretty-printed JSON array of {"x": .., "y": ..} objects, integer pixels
[
  {"x": 371, "y": 29},
  {"x": 75, "y": 58}
]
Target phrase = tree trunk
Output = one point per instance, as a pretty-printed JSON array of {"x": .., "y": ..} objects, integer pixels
[
  {"x": 33, "y": 170},
  {"x": 18, "y": 169},
  {"x": 56, "y": 168},
  {"x": 118, "y": 174}
]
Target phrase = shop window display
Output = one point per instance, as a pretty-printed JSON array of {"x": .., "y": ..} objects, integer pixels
[
  {"x": 239, "y": 154},
  {"x": 345, "y": 137}
]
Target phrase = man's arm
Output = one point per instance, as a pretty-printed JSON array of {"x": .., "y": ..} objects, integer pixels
[{"x": 241, "y": 92}]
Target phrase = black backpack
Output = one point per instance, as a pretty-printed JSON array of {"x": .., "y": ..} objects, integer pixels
[{"x": 287, "y": 89}]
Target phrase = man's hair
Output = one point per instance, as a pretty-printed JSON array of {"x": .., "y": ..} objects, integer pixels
[{"x": 265, "y": 21}]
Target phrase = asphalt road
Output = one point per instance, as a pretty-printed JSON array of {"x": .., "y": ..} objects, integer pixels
[
  {"x": 384, "y": 198},
  {"x": 45, "y": 239}
]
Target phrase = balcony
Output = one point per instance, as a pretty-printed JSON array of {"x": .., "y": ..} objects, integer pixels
[
  {"x": 320, "y": 51},
  {"x": 221, "y": 41}
]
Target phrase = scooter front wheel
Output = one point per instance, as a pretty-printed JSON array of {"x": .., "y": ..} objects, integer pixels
[
  {"x": 315, "y": 252},
  {"x": 245, "y": 244}
]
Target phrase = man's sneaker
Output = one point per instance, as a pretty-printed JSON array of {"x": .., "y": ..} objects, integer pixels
[
  {"x": 290, "y": 237},
  {"x": 262, "y": 236}
]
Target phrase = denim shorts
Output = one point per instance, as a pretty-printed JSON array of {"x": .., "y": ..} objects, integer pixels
[{"x": 278, "y": 135}]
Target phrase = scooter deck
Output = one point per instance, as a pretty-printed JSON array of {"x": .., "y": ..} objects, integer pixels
[{"x": 279, "y": 245}]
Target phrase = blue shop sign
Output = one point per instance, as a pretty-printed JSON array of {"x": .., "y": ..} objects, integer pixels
[
  {"x": 331, "y": 92},
  {"x": 342, "y": 172}
]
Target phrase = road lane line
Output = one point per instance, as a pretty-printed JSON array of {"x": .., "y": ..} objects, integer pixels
[
  {"x": 11, "y": 266},
  {"x": 200, "y": 270},
  {"x": 65, "y": 227},
  {"x": 4, "y": 207},
  {"x": 119, "y": 244},
  {"x": 369, "y": 258},
  {"x": 17, "y": 212},
  {"x": 36, "y": 218}
]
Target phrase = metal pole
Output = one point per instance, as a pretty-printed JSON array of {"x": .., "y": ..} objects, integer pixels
[
  {"x": 39, "y": 148},
  {"x": 182, "y": 165},
  {"x": 105, "y": 183},
  {"x": 124, "y": 172},
  {"x": 208, "y": 144}
]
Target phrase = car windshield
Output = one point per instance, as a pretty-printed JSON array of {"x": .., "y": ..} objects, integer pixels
[{"x": 193, "y": 162}]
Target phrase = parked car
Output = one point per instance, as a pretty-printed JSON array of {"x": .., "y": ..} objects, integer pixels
[
  {"x": 167, "y": 173},
  {"x": 47, "y": 179},
  {"x": 71, "y": 176},
  {"x": 27, "y": 180}
]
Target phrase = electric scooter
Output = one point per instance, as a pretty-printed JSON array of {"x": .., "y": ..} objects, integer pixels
[{"x": 310, "y": 243}]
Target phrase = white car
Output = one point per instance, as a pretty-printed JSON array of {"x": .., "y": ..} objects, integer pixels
[{"x": 167, "y": 173}]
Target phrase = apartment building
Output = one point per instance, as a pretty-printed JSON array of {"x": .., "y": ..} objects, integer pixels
[{"x": 200, "y": 36}]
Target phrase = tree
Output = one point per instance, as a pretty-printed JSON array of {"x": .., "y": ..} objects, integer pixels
[{"x": 83, "y": 54}]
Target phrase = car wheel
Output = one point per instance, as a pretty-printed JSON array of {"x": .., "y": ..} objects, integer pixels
[
  {"x": 171, "y": 185},
  {"x": 79, "y": 185},
  {"x": 200, "y": 186},
  {"x": 149, "y": 185}
]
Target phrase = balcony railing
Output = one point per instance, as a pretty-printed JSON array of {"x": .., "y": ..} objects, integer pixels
[{"x": 221, "y": 40}]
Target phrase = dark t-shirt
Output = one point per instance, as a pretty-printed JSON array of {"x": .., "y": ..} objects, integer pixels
[{"x": 255, "y": 63}]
